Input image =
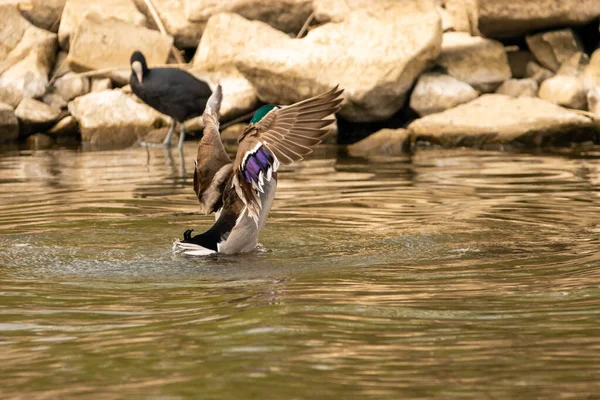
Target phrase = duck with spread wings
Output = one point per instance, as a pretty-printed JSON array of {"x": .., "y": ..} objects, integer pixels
[{"x": 241, "y": 192}]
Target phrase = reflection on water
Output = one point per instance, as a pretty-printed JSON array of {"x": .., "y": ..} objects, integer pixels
[{"x": 447, "y": 274}]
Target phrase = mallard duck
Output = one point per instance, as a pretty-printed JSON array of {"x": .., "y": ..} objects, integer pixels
[
  {"x": 171, "y": 91},
  {"x": 241, "y": 192}
]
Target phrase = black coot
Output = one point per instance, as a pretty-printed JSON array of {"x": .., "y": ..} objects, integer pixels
[{"x": 170, "y": 91}]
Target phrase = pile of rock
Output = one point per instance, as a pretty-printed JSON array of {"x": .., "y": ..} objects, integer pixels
[{"x": 64, "y": 65}]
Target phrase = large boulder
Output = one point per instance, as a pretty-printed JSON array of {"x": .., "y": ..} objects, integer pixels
[
  {"x": 386, "y": 142},
  {"x": 284, "y": 15},
  {"x": 344, "y": 53},
  {"x": 553, "y": 48},
  {"x": 494, "y": 119},
  {"x": 9, "y": 124},
  {"x": 113, "y": 118},
  {"x": 26, "y": 57},
  {"x": 435, "y": 92},
  {"x": 45, "y": 14},
  {"x": 502, "y": 18},
  {"x": 172, "y": 14},
  {"x": 480, "y": 62},
  {"x": 36, "y": 116},
  {"x": 76, "y": 11},
  {"x": 98, "y": 44}
]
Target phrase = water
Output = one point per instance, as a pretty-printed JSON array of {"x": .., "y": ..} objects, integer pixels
[{"x": 450, "y": 274}]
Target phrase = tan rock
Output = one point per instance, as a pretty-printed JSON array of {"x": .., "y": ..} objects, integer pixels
[
  {"x": 553, "y": 48},
  {"x": 386, "y": 142},
  {"x": 76, "y": 11},
  {"x": 71, "y": 85},
  {"x": 505, "y": 18},
  {"x": 26, "y": 57},
  {"x": 436, "y": 92},
  {"x": 231, "y": 134},
  {"x": 60, "y": 65},
  {"x": 567, "y": 91},
  {"x": 482, "y": 63},
  {"x": 44, "y": 13},
  {"x": 519, "y": 88},
  {"x": 39, "y": 141},
  {"x": 593, "y": 100},
  {"x": 54, "y": 101},
  {"x": 113, "y": 118},
  {"x": 518, "y": 61},
  {"x": 100, "y": 84},
  {"x": 284, "y": 15},
  {"x": 574, "y": 65},
  {"x": 464, "y": 15},
  {"x": 288, "y": 73},
  {"x": 447, "y": 22},
  {"x": 9, "y": 124},
  {"x": 85, "y": 54},
  {"x": 159, "y": 135},
  {"x": 172, "y": 14},
  {"x": 499, "y": 119},
  {"x": 32, "y": 111},
  {"x": 591, "y": 73},
  {"x": 65, "y": 127},
  {"x": 537, "y": 72}
]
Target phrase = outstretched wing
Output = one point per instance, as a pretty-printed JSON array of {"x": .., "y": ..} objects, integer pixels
[
  {"x": 284, "y": 135},
  {"x": 213, "y": 166}
]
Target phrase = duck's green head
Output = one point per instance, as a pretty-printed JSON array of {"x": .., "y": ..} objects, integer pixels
[{"x": 261, "y": 112}]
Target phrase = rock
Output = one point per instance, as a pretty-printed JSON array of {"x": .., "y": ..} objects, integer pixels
[
  {"x": 85, "y": 54},
  {"x": 436, "y": 92},
  {"x": 100, "y": 84},
  {"x": 567, "y": 91},
  {"x": 518, "y": 61},
  {"x": 45, "y": 14},
  {"x": 172, "y": 14},
  {"x": 159, "y": 135},
  {"x": 553, "y": 48},
  {"x": 386, "y": 142},
  {"x": 537, "y": 72},
  {"x": 230, "y": 135},
  {"x": 482, "y": 63},
  {"x": 27, "y": 55},
  {"x": 519, "y": 88},
  {"x": 113, "y": 118},
  {"x": 591, "y": 73},
  {"x": 593, "y": 99},
  {"x": 500, "y": 119},
  {"x": 284, "y": 15},
  {"x": 507, "y": 18},
  {"x": 65, "y": 127},
  {"x": 54, "y": 101},
  {"x": 76, "y": 11},
  {"x": 447, "y": 23},
  {"x": 32, "y": 111},
  {"x": 71, "y": 85},
  {"x": 574, "y": 65},
  {"x": 464, "y": 15},
  {"x": 39, "y": 141},
  {"x": 294, "y": 71},
  {"x": 60, "y": 65},
  {"x": 9, "y": 124}
]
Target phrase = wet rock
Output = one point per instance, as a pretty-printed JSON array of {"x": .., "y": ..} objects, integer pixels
[
  {"x": 44, "y": 13},
  {"x": 494, "y": 119},
  {"x": 519, "y": 88},
  {"x": 65, "y": 127},
  {"x": 39, "y": 141},
  {"x": 386, "y": 142},
  {"x": 567, "y": 91},
  {"x": 504, "y": 18},
  {"x": 553, "y": 48},
  {"x": 537, "y": 72},
  {"x": 54, "y": 101},
  {"x": 26, "y": 57},
  {"x": 71, "y": 85},
  {"x": 591, "y": 73},
  {"x": 284, "y": 15},
  {"x": 291, "y": 72},
  {"x": 113, "y": 118},
  {"x": 482, "y": 63},
  {"x": 518, "y": 61},
  {"x": 76, "y": 11},
  {"x": 574, "y": 65},
  {"x": 85, "y": 54},
  {"x": 9, "y": 124},
  {"x": 436, "y": 92},
  {"x": 100, "y": 84},
  {"x": 172, "y": 14}
]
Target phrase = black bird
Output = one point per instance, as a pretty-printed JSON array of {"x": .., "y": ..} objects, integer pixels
[{"x": 171, "y": 91}]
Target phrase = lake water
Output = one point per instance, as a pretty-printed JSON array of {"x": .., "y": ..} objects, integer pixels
[{"x": 447, "y": 274}]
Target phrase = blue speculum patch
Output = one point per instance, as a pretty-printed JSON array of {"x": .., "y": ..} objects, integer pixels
[{"x": 261, "y": 112}]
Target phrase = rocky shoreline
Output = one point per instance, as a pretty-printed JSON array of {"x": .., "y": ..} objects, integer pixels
[{"x": 474, "y": 73}]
